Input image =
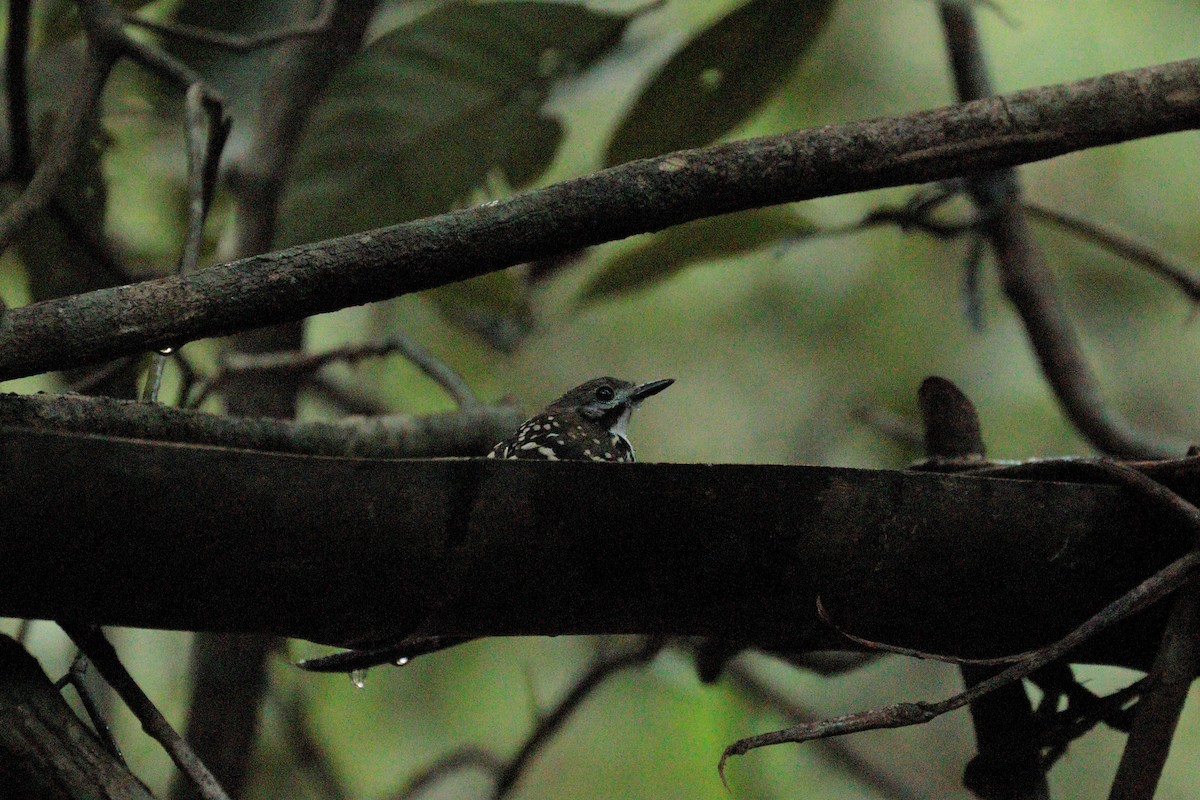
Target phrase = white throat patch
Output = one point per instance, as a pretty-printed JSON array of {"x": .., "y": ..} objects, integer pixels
[{"x": 621, "y": 426}]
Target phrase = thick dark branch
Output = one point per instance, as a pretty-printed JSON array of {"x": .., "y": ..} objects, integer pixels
[
  {"x": 638, "y": 197},
  {"x": 359, "y": 550},
  {"x": 16, "y": 91}
]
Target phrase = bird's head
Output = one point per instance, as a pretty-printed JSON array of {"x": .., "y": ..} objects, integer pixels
[{"x": 608, "y": 401}]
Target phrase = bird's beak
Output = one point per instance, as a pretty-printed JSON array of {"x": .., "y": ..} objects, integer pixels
[{"x": 640, "y": 393}]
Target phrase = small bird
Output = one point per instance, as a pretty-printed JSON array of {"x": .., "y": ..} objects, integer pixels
[{"x": 587, "y": 423}]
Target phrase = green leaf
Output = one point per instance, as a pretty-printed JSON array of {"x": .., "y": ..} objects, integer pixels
[
  {"x": 719, "y": 78},
  {"x": 238, "y": 76},
  {"x": 678, "y": 248},
  {"x": 434, "y": 110},
  {"x": 494, "y": 307}
]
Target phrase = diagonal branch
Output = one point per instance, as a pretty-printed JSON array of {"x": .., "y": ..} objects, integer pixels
[
  {"x": 1121, "y": 244},
  {"x": 1025, "y": 272},
  {"x": 1150, "y": 591},
  {"x": 638, "y": 197},
  {"x": 1145, "y": 594},
  {"x": 96, "y": 647},
  {"x": 601, "y": 669}
]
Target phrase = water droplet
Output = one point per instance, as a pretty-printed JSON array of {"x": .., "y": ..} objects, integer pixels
[
  {"x": 400, "y": 662},
  {"x": 358, "y": 677},
  {"x": 167, "y": 351},
  {"x": 710, "y": 79}
]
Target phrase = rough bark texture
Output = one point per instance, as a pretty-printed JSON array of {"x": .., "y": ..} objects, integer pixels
[
  {"x": 46, "y": 753},
  {"x": 632, "y": 198},
  {"x": 351, "y": 550},
  {"x": 464, "y": 433}
]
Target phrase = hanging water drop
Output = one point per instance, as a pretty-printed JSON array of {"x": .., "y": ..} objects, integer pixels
[{"x": 358, "y": 677}]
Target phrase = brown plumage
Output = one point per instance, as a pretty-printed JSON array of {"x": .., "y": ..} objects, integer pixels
[{"x": 586, "y": 424}]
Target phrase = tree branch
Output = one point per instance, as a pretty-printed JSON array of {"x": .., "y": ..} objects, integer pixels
[
  {"x": 97, "y": 648},
  {"x": 638, "y": 197},
  {"x": 1159, "y": 709},
  {"x": 600, "y": 670},
  {"x": 354, "y": 551},
  {"x": 471, "y": 431},
  {"x": 1123, "y": 245},
  {"x": 64, "y": 145},
  {"x": 1025, "y": 272},
  {"x": 45, "y": 751}
]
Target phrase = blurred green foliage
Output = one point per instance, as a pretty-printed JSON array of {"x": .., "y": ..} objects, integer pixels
[{"x": 778, "y": 339}]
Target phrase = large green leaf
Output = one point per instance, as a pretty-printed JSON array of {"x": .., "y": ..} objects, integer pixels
[
  {"x": 238, "y": 76},
  {"x": 494, "y": 307},
  {"x": 433, "y": 110},
  {"x": 719, "y": 78},
  {"x": 678, "y": 248}
]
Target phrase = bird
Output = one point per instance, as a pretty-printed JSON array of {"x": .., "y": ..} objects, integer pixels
[{"x": 588, "y": 423}]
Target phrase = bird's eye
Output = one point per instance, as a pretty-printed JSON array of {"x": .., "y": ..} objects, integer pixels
[{"x": 605, "y": 393}]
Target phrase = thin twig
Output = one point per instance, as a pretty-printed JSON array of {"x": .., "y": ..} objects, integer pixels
[
  {"x": 600, "y": 671},
  {"x": 883, "y": 647},
  {"x": 1122, "y": 244},
  {"x": 77, "y": 676},
  {"x": 1146, "y": 593},
  {"x": 761, "y": 692},
  {"x": 455, "y": 761},
  {"x": 238, "y": 43},
  {"x": 207, "y": 129},
  {"x": 92, "y": 642},
  {"x": 300, "y": 364}
]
